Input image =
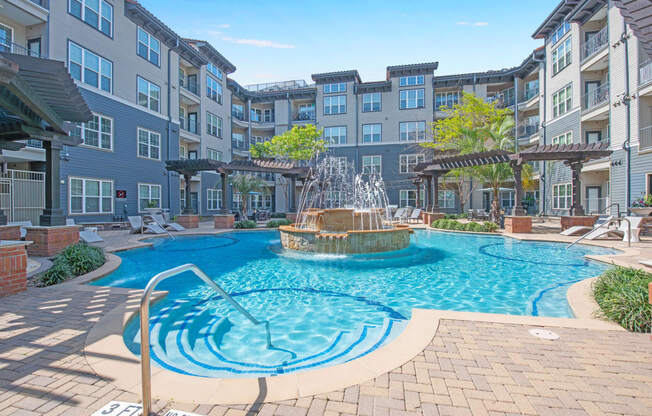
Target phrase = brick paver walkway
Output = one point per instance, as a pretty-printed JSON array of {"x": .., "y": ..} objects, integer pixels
[{"x": 469, "y": 368}]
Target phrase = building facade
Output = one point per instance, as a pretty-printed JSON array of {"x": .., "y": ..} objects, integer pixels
[{"x": 158, "y": 96}]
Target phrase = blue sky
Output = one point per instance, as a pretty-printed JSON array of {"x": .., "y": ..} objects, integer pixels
[{"x": 282, "y": 40}]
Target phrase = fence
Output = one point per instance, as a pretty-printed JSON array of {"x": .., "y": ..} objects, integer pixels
[{"x": 22, "y": 195}]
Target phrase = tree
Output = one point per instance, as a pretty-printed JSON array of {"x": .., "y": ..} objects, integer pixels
[
  {"x": 243, "y": 185},
  {"x": 298, "y": 143},
  {"x": 459, "y": 178}
]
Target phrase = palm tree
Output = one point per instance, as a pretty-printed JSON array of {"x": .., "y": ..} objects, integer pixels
[{"x": 245, "y": 185}]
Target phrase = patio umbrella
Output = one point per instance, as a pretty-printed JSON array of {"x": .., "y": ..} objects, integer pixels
[{"x": 499, "y": 189}]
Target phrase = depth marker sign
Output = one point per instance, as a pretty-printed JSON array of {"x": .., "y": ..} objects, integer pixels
[{"x": 115, "y": 408}]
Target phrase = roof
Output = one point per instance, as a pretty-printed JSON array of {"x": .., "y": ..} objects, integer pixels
[
  {"x": 375, "y": 86},
  {"x": 412, "y": 69},
  {"x": 144, "y": 18},
  {"x": 585, "y": 9},
  {"x": 558, "y": 15},
  {"x": 575, "y": 151},
  {"x": 637, "y": 15},
  {"x": 256, "y": 96},
  {"x": 212, "y": 54},
  {"x": 324, "y": 77}
]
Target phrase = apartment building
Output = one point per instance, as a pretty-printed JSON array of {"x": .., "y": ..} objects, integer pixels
[{"x": 158, "y": 96}]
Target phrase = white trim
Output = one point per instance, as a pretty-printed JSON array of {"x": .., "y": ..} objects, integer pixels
[
  {"x": 150, "y": 185},
  {"x": 380, "y": 165},
  {"x": 99, "y": 132},
  {"x": 208, "y": 199},
  {"x": 84, "y": 179},
  {"x": 138, "y": 128}
]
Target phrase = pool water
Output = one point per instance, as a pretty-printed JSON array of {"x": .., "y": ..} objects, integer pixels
[{"x": 323, "y": 310}]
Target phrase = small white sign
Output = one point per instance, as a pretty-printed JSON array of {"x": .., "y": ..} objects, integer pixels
[
  {"x": 115, "y": 408},
  {"x": 173, "y": 412}
]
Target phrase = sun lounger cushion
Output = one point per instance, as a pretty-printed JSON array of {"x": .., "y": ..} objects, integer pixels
[{"x": 90, "y": 236}]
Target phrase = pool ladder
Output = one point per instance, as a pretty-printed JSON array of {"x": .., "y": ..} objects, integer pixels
[
  {"x": 606, "y": 224},
  {"x": 145, "y": 368}
]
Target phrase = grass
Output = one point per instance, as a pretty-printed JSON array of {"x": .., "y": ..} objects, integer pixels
[
  {"x": 74, "y": 260},
  {"x": 622, "y": 294},
  {"x": 449, "y": 224}
]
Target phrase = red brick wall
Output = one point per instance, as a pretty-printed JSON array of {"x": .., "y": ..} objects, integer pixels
[
  {"x": 429, "y": 217},
  {"x": 188, "y": 221},
  {"x": 223, "y": 221},
  {"x": 567, "y": 222},
  {"x": 49, "y": 241},
  {"x": 13, "y": 270},
  {"x": 518, "y": 224},
  {"x": 9, "y": 232}
]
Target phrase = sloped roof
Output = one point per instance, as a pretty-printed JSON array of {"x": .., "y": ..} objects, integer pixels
[
  {"x": 638, "y": 15},
  {"x": 350, "y": 75}
]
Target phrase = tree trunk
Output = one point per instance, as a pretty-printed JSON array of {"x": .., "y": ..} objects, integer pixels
[{"x": 494, "y": 213}]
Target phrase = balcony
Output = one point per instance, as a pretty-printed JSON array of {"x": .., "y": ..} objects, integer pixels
[
  {"x": 645, "y": 73},
  {"x": 189, "y": 83},
  {"x": 594, "y": 45},
  {"x": 595, "y": 100},
  {"x": 11, "y": 47},
  {"x": 37, "y": 144},
  {"x": 645, "y": 138},
  {"x": 238, "y": 142},
  {"x": 306, "y": 115},
  {"x": 26, "y": 12},
  {"x": 528, "y": 129},
  {"x": 529, "y": 94}
]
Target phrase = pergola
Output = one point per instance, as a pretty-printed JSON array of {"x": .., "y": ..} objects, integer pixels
[
  {"x": 37, "y": 99},
  {"x": 190, "y": 167},
  {"x": 574, "y": 155}
]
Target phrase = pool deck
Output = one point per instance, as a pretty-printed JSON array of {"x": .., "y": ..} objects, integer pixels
[{"x": 445, "y": 363}]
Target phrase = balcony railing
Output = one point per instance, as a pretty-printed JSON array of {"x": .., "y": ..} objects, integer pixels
[
  {"x": 34, "y": 143},
  {"x": 529, "y": 94},
  {"x": 305, "y": 115},
  {"x": 596, "y": 98},
  {"x": 239, "y": 143},
  {"x": 645, "y": 72},
  {"x": 12, "y": 47},
  {"x": 262, "y": 118},
  {"x": 528, "y": 129},
  {"x": 645, "y": 138},
  {"x": 595, "y": 44},
  {"x": 189, "y": 83},
  {"x": 240, "y": 115}
]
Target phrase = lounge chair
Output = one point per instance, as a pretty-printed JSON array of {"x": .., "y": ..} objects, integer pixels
[
  {"x": 160, "y": 220},
  {"x": 621, "y": 232},
  {"x": 86, "y": 235},
  {"x": 647, "y": 263},
  {"x": 583, "y": 229},
  {"x": 399, "y": 214},
  {"x": 138, "y": 226},
  {"x": 415, "y": 216},
  {"x": 23, "y": 224}
]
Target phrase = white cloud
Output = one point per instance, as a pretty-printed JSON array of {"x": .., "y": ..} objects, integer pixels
[
  {"x": 463, "y": 23},
  {"x": 480, "y": 24},
  {"x": 259, "y": 43},
  {"x": 223, "y": 26}
]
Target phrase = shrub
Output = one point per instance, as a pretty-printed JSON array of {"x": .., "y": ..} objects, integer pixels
[
  {"x": 450, "y": 224},
  {"x": 74, "y": 260},
  {"x": 456, "y": 216},
  {"x": 276, "y": 223},
  {"x": 245, "y": 224},
  {"x": 622, "y": 294},
  {"x": 277, "y": 215}
]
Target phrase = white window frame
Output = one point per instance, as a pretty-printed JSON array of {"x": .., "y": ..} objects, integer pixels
[
  {"x": 211, "y": 68},
  {"x": 10, "y": 45},
  {"x": 559, "y": 33},
  {"x": 214, "y": 125},
  {"x": 84, "y": 128},
  {"x": 412, "y": 128},
  {"x": 214, "y": 89},
  {"x": 151, "y": 87},
  {"x": 334, "y": 102},
  {"x": 446, "y": 198},
  {"x": 368, "y": 161},
  {"x": 557, "y": 197},
  {"x": 561, "y": 56},
  {"x": 404, "y": 197},
  {"x": 411, "y": 80},
  {"x": 565, "y": 138},
  {"x": 328, "y": 135},
  {"x": 152, "y": 44},
  {"x": 101, "y": 14},
  {"x": 374, "y": 100},
  {"x": 407, "y": 162},
  {"x": 213, "y": 154},
  {"x": 446, "y": 98},
  {"x": 149, "y": 144},
  {"x": 83, "y": 196},
  {"x": 566, "y": 93},
  {"x": 334, "y": 87},
  {"x": 103, "y": 65},
  {"x": 405, "y": 99},
  {"x": 150, "y": 186},
  {"x": 213, "y": 199},
  {"x": 375, "y": 135}
]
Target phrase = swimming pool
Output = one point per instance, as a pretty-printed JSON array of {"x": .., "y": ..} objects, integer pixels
[{"x": 324, "y": 310}]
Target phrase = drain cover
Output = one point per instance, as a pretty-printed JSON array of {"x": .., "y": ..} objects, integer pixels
[{"x": 543, "y": 333}]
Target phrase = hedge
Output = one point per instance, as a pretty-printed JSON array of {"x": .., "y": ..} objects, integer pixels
[
  {"x": 74, "y": 260},
  {"x": 448, "y": 224},
  {"x": 622, "y": 294}
]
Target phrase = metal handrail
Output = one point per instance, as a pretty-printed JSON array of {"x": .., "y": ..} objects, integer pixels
[
  {"x": 145, "y": 369},
  {"x": 629, "y": 231},
  {"x": 159, "y": 224}
]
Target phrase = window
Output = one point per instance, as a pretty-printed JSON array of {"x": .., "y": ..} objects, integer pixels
[
  {"x": 97, "y": 13},
  {"x": 34, "y": 47},
  {"x": 6, "y": 38},
  {"x": 182, "y": 152},
  {"x": 149, "y": 196},
  {"x": 90, "y": 196},
  {"x": 335, "y": 199},
  {"x": 213, "y": 199},
  {"x": 649, "y": 183},
  {"x": 412, "y": 131},
  {"x": 372, "y": 133},
  {"x": 412, "y": 98},
  {"x": 560, "y": 32},
  {"x": 89, "y": 68},
  {"x": 237, "y": 140},
  {"x": 507, "y": 199},
  {"x": 98, "y": 132},
  {"x": 335, "y": 135},
  {"x": 408, "y": 197},
  {"x": 148, "y": 47},
  {"x": 149, "y": 94},
  {"x": 149, "y": 144},
  {"x": 408, "y": 162},
  {"x": 335, "y": 104},
  {"x": 562, "y": 196},
  {"x": 213, "y": 154},
  {"x": 338, "y": 164},
  {"x": 213, "y": 89},
  {"x": 562, "y": 101},
  {"x": 336, "y": 87},
  {"x": 214, "y": 70},
  {"x": 593, "y": 136},
  {"x": 371, "y": 164},
  {"x": 446, "y": 198},
  {"x": 561, "y": 56},
  {"x": 566, "y": 138},
  {"x": 213, "y": 124},
  {"x": 371, "y": 102},
  {"x": 411, "y": 80},
  {"x": 268, "y": 115},
  {"x": 260, "y": 201},
  {"x": 446, "y": 99}
]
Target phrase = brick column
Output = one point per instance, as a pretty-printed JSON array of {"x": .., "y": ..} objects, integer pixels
[
  {"x": 518, "y": 224},
  {"x": 188, "y": 221},
  {"x": 223, "y": 221},
  {"x": 48, "y": 241},
  {"x": 9, "y": 232},
  {"x": 13, "y": 267}
]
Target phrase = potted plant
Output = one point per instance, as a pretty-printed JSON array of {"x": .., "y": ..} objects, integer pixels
[
  {"x": 152, "y": 207},
  {"x": 643, "y": 205}
]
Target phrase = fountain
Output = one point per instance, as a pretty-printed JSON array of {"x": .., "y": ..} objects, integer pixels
[{"x": 341, "y": 212}]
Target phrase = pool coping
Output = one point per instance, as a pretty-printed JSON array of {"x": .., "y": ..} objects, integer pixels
[{"x": 107, "y": 354}]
